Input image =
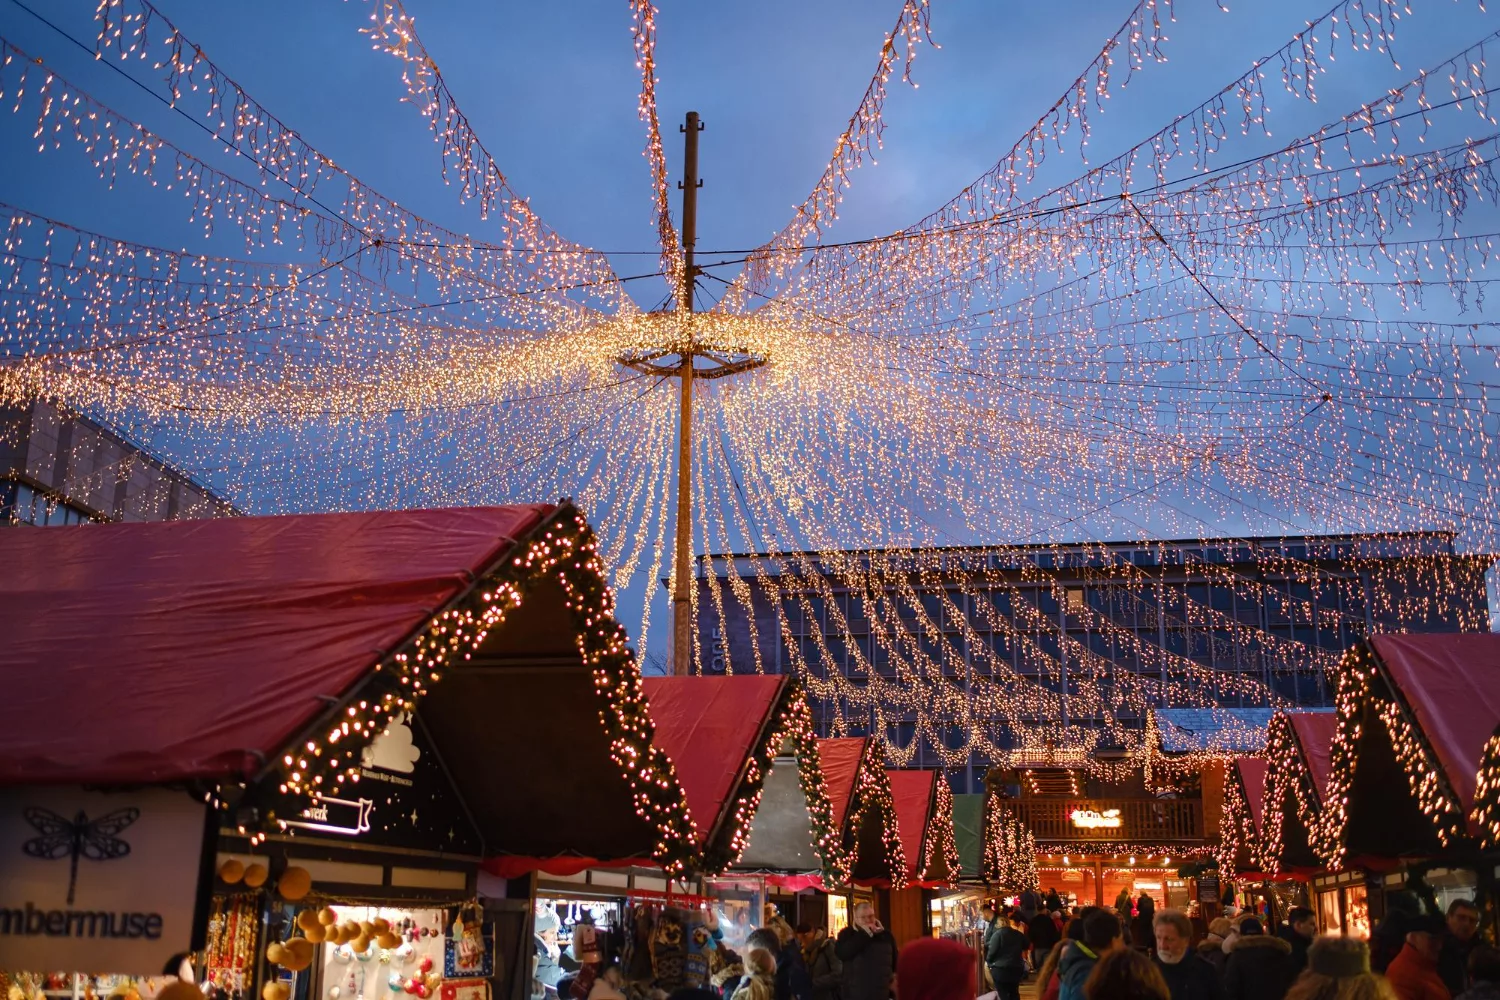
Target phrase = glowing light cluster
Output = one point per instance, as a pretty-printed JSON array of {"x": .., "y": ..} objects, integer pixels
[
  {"x": 1215, "y": 326},
  {"x": 1291, "y": 796},
  {"x": 1009, "y": 853}
]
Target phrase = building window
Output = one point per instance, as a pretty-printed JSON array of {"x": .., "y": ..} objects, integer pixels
[{"x": 21, "y": 504}]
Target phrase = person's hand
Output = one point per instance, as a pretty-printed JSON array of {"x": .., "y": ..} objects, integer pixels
[
  {"x": 875, "y": 925},
  {"x": 711, "y": 918}
]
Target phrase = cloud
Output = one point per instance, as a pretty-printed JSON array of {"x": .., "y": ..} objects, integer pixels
[{"x": 392, "y": 750}]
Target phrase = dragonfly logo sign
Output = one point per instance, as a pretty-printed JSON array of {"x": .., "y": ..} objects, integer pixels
[
  {"x": 76, "y": 893},
  {"x": 94, "y": 840}
]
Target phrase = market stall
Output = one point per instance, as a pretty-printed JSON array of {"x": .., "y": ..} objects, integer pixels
[
  {"x": 1297, "y": 746},
  {"x": 859, "y": 789},
  {"x": 1414, "y": 715},
  {"x": 924, "y": 815},
  {"x": 298, "y": 713},
  {"x": 1240, "y": 818}
]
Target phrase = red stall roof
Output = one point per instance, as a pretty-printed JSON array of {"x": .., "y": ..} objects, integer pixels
[
  {"x": 195, "y": 649},
  {"x": 1253, "y": 779},
  {"x": 1315, "y": 736},
  {"x": 912, "y": 792},
  {"x": 840, "y": 758},
  {"x": 710, "y": 726},
  {"x": 1452, "y": 683}
]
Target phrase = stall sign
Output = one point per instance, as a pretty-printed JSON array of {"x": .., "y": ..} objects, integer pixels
[
  {"x": 104, "y": 881},
  {"x": 1208, "y": 888},
  {"x": 1094, "y": 819}
]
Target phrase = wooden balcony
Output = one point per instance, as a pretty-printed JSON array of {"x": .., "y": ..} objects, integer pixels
[{"x": 1141, "y": 821}]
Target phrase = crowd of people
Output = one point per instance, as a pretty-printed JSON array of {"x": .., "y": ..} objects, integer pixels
[
  {"x": 1137, "y": 952},
  {"x": 1131, "y": 952}
]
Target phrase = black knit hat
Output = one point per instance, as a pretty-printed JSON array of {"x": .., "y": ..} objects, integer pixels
[{"x": 1338, "y": 957}]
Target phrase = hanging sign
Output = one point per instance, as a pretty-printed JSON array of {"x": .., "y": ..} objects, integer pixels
[
  {"x": 103, "y": 881},
  {"x": 1094, "y": 819}
]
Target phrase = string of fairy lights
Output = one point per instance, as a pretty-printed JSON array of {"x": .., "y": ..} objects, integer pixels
[{"x": 1225, "y": 323}]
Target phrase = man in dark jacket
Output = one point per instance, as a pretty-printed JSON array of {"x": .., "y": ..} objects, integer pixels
[
  {"x": 1102, "y": 934},
  {"x": 1188, "y": 976},
  {"x": 1260, "y": 967},
  {"x": 1299, "y": 930},
  {"x": 868, "y": 953},
  {"x": 822, "y": 962},
  {"x": 1043, "y": 933},
  {"x": 1458, "y": 944},
  {"x": 1005, "y": 954}
]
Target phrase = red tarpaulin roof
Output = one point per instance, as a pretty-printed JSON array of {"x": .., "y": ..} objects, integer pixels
[
  {"x": 1253, "y": 780},
  {"x": 1315, "y": 735},
  {"x": 912, "y": 792},
  {"x": 840, "y": 759},
  {"x": 709, "y": 727},
  {"x": 1452, "y": 683},
  {"x": 195, "y": 649}
]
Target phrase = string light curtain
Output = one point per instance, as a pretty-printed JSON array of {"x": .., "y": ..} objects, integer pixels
[{"x": 1222, "y": 323}]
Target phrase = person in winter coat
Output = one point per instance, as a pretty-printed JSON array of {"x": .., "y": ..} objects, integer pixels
[
  {"x": 1102, "y": 934},
  {"x": 1122, "y": 905},
  {"x": 1484, "y": 974},
  {"x": 1187, "y": 976},
  {"x": 1413, "y": 973},
  {"x": 1053, "y": 902},
  {"x": 760, "y": 984},
  {"x": 1005, "y": 955},
  {"x": 1389, "y": 936},
  {"x": 1260, "y": 967},
  {"x": 1299, "y": 930},
  {"x": 1339, "y": 967},
  {"x": 823, "y": 965},
  {"x": 1142, "y": 933},
  {"x": 868, "y": 953},
  {"x": 1458, "y": 944},
  {"x": 935, "y": 969},
  {"x": 1211, "y": 948},
  {"x": 1048, "y": 977},
  {"x": 1043, "y": 933},
  {"x": 1029, "y": 903}
]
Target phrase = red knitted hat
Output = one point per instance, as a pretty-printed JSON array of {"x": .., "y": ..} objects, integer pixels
[{"x": 935, "y": 969}]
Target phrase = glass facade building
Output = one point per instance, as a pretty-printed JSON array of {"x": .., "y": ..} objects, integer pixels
[{"x": 59, "y": 468}]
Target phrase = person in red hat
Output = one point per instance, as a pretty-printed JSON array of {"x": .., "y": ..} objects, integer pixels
[{"x": 935, "y": 969}]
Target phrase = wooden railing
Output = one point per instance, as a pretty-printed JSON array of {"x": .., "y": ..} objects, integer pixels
[{"x": 1143, "y": 821}]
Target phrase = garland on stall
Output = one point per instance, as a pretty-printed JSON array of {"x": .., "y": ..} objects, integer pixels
[
  {"x": 1365, "y": 696},
  {"x": 939, "y": 836},
  {"x": 1288, "y": 778},
  {"x": 1009, "y": 861},
  {"x": 872, "y": 791},
  {"x": 793, "y": 724},
  {"x": 1487, "y": 793},
  {"x": 563, "y": 550},
  {"x": 1237, "y": 829}
]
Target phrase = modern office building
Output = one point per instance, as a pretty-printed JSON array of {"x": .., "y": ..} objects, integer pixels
[
  {"x": 1277, "y": 610},
  {"x": 59, "y": 468}
]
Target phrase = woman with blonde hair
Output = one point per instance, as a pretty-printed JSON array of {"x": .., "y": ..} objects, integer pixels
[
  {"x": 1338, "y": 968},
  {"x": 760, "y": 976}
]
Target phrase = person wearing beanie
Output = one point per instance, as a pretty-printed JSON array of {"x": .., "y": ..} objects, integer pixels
[
  {"x": 1413, "y": 973},
  {"x": 1211, "y": 948},
  {"x": 1260, "y": 967},
  {"x": 935, "y": 969},
  {"x": 1338, "y": 968},
  {"x": 548, "y": 971}
]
